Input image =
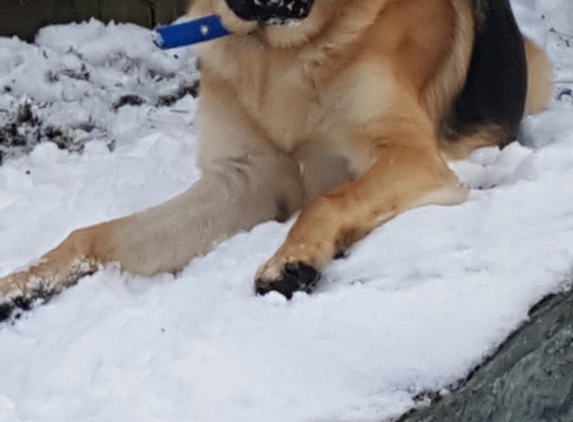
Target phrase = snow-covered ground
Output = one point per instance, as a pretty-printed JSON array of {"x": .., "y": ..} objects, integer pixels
[{"x": 412, "y": 309}]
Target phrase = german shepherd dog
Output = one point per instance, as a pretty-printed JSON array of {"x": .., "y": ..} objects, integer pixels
[{"x": 347, "y": 110}]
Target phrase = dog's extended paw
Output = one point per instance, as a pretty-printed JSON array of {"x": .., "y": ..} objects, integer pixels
[
  {"x": 10, "y": 309},
  {"x": 293, "y": 277},
  {"x": 21, "y": 291}
]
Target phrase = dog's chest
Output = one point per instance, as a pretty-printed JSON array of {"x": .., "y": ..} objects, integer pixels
[
  {"x": 287, "y": 106},
  {"x": 275, "y": 89},
  {"x": 283, "y": 99}
]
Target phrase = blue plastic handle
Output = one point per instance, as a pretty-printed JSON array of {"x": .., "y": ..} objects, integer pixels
[{"x": 190, "y": 32}]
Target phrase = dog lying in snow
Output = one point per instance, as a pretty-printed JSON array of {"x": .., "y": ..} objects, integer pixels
[{"x": 345, "y": 109}]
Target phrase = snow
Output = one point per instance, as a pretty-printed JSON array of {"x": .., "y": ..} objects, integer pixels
[{"x": 412, "y": 309}]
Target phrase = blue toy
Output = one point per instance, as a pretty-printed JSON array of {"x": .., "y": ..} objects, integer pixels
[{"x": 190, "y": 32}]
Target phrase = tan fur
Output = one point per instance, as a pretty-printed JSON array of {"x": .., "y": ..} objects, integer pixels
[
  {"x": 449, "y": 81},
  {"x": 540, "y": 79},
  {"x": 461, "y": 147},
  {"x": 338, "y": 115}
]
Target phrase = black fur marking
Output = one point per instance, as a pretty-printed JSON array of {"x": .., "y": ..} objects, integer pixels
[
  {"x": 479, "y": 8},
  {"x": 270, "y": 11},
  {"x": 295, "y": 277},
  {"x": 496, "y": 83}
]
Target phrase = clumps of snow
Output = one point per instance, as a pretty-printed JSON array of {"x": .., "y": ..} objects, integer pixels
[{"x": 69, "y": 85}]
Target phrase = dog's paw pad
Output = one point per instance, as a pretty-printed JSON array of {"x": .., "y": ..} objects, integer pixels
[{"x": 294, "y": 277}]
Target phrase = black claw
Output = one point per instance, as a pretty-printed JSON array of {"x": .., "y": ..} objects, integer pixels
[
  {"x": 295, "y": 277},
  {"x": 5, "y": 311}
]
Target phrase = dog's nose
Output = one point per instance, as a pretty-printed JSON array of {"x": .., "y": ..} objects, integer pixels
[{"x": 271, "y": 11}]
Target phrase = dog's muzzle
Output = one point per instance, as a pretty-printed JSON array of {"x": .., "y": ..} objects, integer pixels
[{"x": 271, "y": 11}]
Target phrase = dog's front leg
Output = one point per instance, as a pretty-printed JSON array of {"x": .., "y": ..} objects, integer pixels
[
  {"x": 406, "y": 171},
  {"x": 233, "y": 194}
]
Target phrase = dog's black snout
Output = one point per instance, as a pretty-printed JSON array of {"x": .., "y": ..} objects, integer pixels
[{"x": 270, "y": 11}]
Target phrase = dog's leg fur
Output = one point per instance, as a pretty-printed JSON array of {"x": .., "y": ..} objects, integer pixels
[
  {"x": 389, "y": 138},
  {"x": 408, "y": 171},
  {"x": 242, "y": 185}
]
